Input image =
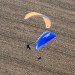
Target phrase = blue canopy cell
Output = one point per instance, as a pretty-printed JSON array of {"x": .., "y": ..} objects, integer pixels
[{"x": 44, "y": 38}]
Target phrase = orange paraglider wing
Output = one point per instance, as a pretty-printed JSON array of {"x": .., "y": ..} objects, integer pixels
[{"x": 45, "y": 18}]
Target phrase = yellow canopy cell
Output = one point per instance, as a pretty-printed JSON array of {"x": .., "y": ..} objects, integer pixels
[{"x": 45, "y": 18}]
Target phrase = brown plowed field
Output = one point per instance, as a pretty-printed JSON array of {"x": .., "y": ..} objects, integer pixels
[{"x": 58, "y": 56}]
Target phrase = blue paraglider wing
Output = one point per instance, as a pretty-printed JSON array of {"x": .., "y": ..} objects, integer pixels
[{"x": 44, "y": 38}]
